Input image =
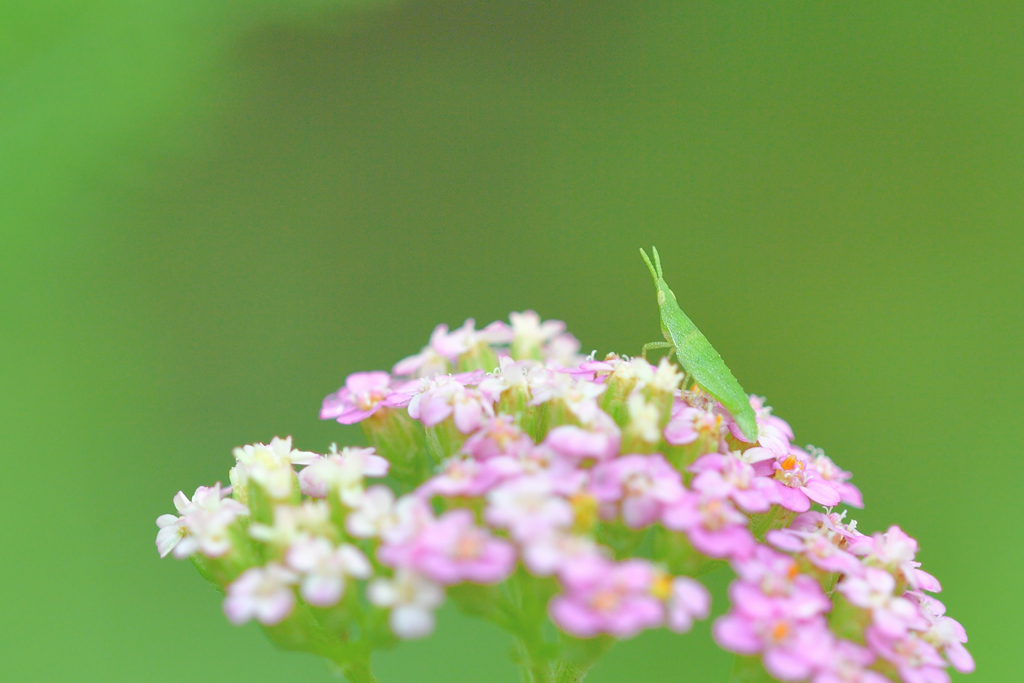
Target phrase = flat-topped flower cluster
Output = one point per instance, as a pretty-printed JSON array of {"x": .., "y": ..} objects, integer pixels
[{"x": 529, "y": 483}]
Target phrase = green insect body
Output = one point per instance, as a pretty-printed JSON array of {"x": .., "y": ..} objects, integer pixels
[{"x": 698, "y": 358}]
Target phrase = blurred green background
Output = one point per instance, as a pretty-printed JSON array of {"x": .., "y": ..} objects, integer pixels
[{"x": 212, "y": 211}]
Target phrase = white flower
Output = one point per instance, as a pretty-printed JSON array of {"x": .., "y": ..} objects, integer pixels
[
  {"x": 527, "y": 506},
  {"x": 375, "y": 514},
  {"x": 529, "y": 334},
  {"x": 343, "y": 471},
  {"x": 292, "y": 522},
  {"x": 202, "y": 526},
  {"x": 548, "y": 553},
  {"x": 412, "y": 600},
  {"x": 643, "y": 419},
  {"x": 325, "y": 568},
  {"x": 664, "y": 379},
  {"x": 261, "y": 593},
  {"x": 270, "y": 466}
]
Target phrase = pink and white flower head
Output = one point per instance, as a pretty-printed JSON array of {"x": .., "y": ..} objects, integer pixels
[
  {"x": 639, "y": 487},
  {"x": 448, "y": 397},
  {"x": 712, "y": 525},
  {"x": 797, "y": 486},
  {"x": 689, "y": 424},
  {"x": 412, "y": 600},
  {"x": 461, "y": 476},
  {"x": 291, "y": 522},
  {"x": 435, "y": 357},
  {"x": 594, "y": 370},
  {"x": 363, "y": 394},
  {"x": 915, "y": 660},
  {"x": 325, "y": 569},
  {"x": 791, "y": 648},
  {"x": 454, "y": 550},
  {"x": 498, "y": 436},
  {"x": 944, "y": 633},
  {"x": 874, "y": 591},
  {"x": 528, "y": 506},
  {"x": 343, "y": 472},
  {"x": 728, "y": 476},
  {"x": 612, "y": 598},
  {"x": 261, "y": 593},
  {"x": 202, "y": 526},
  {"x": 835, "y": 477},
  {"x": 529, "y": 334},
  {"x": 895, "y": 551}
]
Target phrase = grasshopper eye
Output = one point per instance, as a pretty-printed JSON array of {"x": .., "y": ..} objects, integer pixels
[{"x": 661, "y": 298}]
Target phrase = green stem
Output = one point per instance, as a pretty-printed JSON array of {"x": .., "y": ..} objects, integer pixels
[
  {"x": 749, "y": 670},
  {"x": 359, "y": 672}
]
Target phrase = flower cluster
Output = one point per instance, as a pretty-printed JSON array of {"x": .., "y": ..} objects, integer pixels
[{"x": 529, "y": 483}]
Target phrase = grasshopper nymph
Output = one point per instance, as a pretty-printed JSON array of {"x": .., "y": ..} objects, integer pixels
[{"x": 699, "y": 359}]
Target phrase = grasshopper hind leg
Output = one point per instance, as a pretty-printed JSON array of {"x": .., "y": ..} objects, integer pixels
[{"x": 657, "y": 345}]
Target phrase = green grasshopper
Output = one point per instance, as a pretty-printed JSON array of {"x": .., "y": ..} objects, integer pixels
[{"x": 699, "y": 359}]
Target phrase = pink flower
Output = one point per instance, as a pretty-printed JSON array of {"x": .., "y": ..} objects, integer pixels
[
  {"x": 891, "y": 615},
  {"x": 461, "y": 476},
  {"x": 454, "y": 550},
  {"x": 712, "y": 524},
  {"x": 434, "y": 358},
  {"x": 945, "y": 633},
  {"x": 578, "y": 443},
  {"x": 770, "y": 580},
  {"x": 528, "y": 506},
  {"x": 729, "y": 476},
  {"x": 688, "y": 424},
  {"x": 641, "y": 486},
  {"x": 261, "y": 593},
  {"x": 363, "y": 395},
  {"x": 791, "y": 649},
  {"x": 797, "y": 486},
  {"x": 836, "y": 477},
  {"x": 498, "y": 436},
  {"x": 688, "y": 600},
  {"x": 820, "y": 540},
  {"x": 448, "y": 397},
  {"x": 847, "y": 662},
  {"x": 325, "y": 569},
  {"x": 773, "y": 433},
  {"x": 613, "y": 598},
  {"x": 556, "y": 552},
  {"x": 914, "y": 659},
  {"x": 895, "y": 551}
]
